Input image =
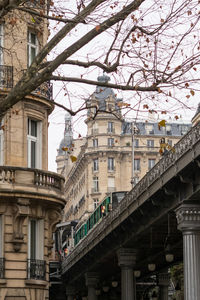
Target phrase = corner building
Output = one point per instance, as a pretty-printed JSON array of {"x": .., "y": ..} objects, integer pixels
[
  {"x": 31, "y": 198},
  {"x": 104, "y": 157}
]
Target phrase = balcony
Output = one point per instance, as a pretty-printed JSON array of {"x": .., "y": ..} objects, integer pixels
[
  {"x": 33, "y": 182},
  {"x": 2, "y": 268},
  {"x": 45, "y": 90},
  {"x": 36, "y": 269},
  {"x": 6, "y": 76}
]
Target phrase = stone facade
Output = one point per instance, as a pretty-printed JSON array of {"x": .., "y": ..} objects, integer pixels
[
  {"x": 31, "y": 198},
  {"x": 105, "y": 156}
]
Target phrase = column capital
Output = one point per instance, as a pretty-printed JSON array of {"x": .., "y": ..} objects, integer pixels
[
  {"x": 70, "y": 290},
  {"x": 91, "y": 279},
  {"x": 163, "y": 279},
  {"x": 126, "y": 257},
  {"x": 188, "y": 217}
]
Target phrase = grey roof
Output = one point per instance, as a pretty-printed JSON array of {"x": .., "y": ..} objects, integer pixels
[
  {"x": 102, "y": 93},
  {"x": 171, "y": 129}
]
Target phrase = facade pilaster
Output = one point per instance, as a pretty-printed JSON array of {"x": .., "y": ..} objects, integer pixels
[
  {"x": 188, "y": 219},
  {"x": 70, "y": 292},
  {"x": 163, "y": 282},
  {"x": 91, "y": 279},
  {"x": 126, "y": 260}
]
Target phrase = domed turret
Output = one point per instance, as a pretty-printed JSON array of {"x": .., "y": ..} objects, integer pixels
[{"x": 68, "y": 134}]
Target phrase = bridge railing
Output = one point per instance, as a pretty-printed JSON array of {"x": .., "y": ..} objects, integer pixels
[{"x": 167, "y": 161}]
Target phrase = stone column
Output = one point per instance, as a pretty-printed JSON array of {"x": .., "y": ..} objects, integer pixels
[
  {"x": 70, "y": 292},
  {"x": 163, "y": 282},
  {"x": 92, "y": 280},
  {"x": 188, "y": 219},
  {"x": 126, "y": 260}
]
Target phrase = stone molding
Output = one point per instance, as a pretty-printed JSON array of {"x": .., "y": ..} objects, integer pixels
[
  {"x": 188, "y": 217},
  {"x": 91, "y": 279},
  {"x": 163, "y": 279},
  {"x": 126, "y": 257},
  {"x": 20, "y": 211}
]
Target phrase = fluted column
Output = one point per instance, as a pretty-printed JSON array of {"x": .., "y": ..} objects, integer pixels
[
  {"x": 188, "y": 218},
  {"x": 126, "y": 260},
  {"x": 92, "y": 280},
  {"x": 163, "y": 282},
  {"x": 70, "y": 292}
]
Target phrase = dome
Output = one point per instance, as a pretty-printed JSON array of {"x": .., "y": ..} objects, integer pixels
[{"x": 102, "y": 93}]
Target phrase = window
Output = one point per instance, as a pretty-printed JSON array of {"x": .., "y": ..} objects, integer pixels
[
  {"x": 1, "y": 144},
  {"x": 34, "y": 144},
  {"x": 36, "y": 239},
  {"x": 95, "y": 184},
  {"x": 168, "y": 130},
  {"x": 111, "y": 184},
  {"x": 110, "y": 127},
  {"x": 95, "y": 143},
  {"x": 137, "y": 164},
  {"x": 32, "y": 49},
  {"x": 150, "y": 143},
  {"x": 136, "y": 143},
  {"x": 1, "y": 44},
  {"x": 95, "y": 164},
  {"x": 95, "y": 129},
  {"x": 110, "y": 142},
  {"x": 149, "y": 129},
  {"x": 169, "y": 142},
  {"x": 110, "y": 164},
  {"x": 151, "y": 163},
  {"x": 136, "y": 180},
  {"x": 96, "y": 202}
]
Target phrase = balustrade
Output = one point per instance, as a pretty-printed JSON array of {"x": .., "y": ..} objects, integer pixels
[{"x": 36, "y": 269}]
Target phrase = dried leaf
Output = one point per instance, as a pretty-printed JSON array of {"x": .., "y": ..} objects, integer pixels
[
  {"x": 73, "y": 158},
  {"x": 97, "y": 28}
]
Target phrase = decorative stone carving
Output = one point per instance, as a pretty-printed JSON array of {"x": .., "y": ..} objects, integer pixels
[
  {"x": 20, "y": 212},
  {"x": 54, "y": 217},
  {"x": 188, "y": 217}
]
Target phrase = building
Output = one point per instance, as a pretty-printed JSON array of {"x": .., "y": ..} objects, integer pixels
[
  {"x": 31, "y": 198},
  {"x": 105, "y": 156}
]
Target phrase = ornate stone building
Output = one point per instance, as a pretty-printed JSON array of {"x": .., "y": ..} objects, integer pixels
[
  {"x": 31, "y": 198},
  {"x": 105, "y": 161}
]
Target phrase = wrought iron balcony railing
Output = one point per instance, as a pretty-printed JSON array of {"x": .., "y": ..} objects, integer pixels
[
  {"x": 6, "y": 76},
  {"x": 45, "y": 90},
  {"x": 2, "y": 268},
  {"x": 36, "y": 269}
]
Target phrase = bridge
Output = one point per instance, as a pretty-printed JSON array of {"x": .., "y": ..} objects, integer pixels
[{"x": 156, "y": 225}]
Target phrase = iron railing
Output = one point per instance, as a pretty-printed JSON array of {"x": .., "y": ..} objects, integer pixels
[
  {"x": 45, "y": 90},
  {"x": 2, "y": 267},
  {"x": 6, "y": 76},
  {"x": 36, "y": 269}
]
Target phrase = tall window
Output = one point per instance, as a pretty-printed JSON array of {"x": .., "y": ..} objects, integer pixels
[
  {"x": 95, "y": 143},
  {"x": 110, "y": 127},
  {"x": 32, "y": 49},
  {"x": 136, "y": 143},
  {"x": 111, "y": 184},
  {"x": 111, "y": 164},
  {"x": 150, "y": 143},
  {"x": 1, "y": 144},
  {"x": 137, "y": 164},
  {"x": 110, "y": 142},
  {"x": 95, "y": 184},
  {"x": 95, "y": 164},
  {"x": 96, "y": 202},
  {"x": 1, "y": 237},
  {"x": 1, "y": 44},
  {"x": 36, "y": 239},
  {"x": 151, "y": 163},
  {"x": 34, "y": 144}
]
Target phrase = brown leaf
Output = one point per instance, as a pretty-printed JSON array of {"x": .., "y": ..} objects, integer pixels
[{"x": 97, "y": 28}]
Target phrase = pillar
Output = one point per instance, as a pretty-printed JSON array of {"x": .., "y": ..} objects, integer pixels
[
  {"x": 126, "y": 260},
  {"x": 92, "y": 280},
  {"x": 188, "y": 219},
  {"x": 163, "y": 282},
  {"x": 70, "y": 292}
]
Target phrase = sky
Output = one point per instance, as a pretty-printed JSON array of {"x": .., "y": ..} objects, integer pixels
[{"x": 73, "y": 95}]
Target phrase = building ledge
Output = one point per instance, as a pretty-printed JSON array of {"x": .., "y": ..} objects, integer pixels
[
  {"x": 36, "y": 282},
  {"x": 3, "y": 281}
]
